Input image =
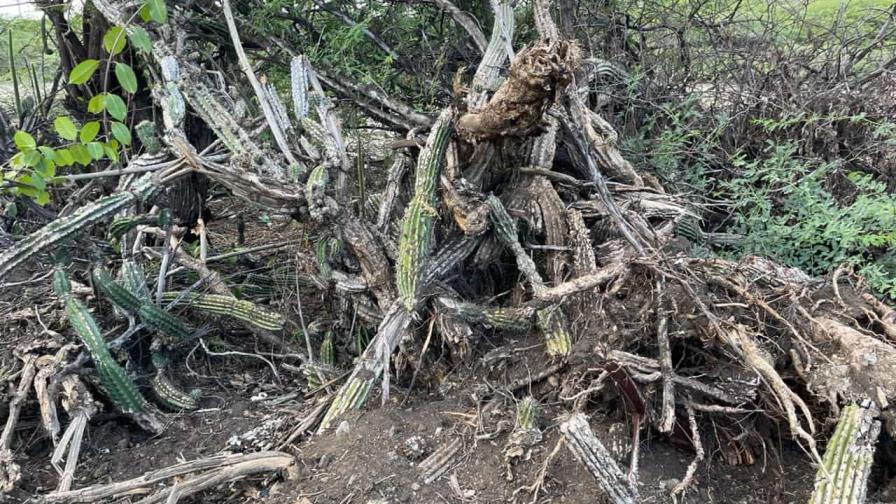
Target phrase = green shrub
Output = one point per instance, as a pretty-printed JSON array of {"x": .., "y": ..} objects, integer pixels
[{"x": 786, "y": 210}]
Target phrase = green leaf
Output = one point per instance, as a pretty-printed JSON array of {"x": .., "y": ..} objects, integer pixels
[
  {"x": 95, "y": 149},
  {"x": 34, "y": 180},
  {"x": 31, "y": 158},
  {"x": 48, "y": 152},
  {"x": 89, "y": 131},
  {"x": 64, "y": 157},
  {"x": 144, "y": 13},
  {"x": 111, "y": 152},
  {"x": 24, "y": 141},
  {"x": 158, "y": 11},
  {"x": 140, "y": 39},
  {"x": 116, "y": 107},
  {"x": 66, "y": 128},
  {"x": 42, "y": 198},
  {"x": 83, "y": 71},
  {"x": 46, "y": 168},
  {"x": 114, "y": 41},
  {"x": 126, "y": 77},
  {"x": 97, "y": 104},
  {"x": 16, "y": 161},
  {"x": 121, "y": 133},
  {"x": 80, "y": 154}
]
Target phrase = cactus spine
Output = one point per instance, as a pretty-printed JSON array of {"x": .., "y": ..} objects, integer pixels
[
  {"x": 120, "y": 388},
  {"x": 231, "y": 307},
  {"x": 416, "y": 226}
]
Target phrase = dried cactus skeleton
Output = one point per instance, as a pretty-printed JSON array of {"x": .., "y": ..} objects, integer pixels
[{"x": 596, "y": 245}]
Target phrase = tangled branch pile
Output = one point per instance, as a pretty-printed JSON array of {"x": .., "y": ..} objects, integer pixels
[{"x": 520, "y": 216}]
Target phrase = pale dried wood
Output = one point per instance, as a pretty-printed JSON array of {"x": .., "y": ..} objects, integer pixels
[{"x": 588, "y": 450}]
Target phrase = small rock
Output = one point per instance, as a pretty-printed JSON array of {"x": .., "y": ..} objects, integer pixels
[
  {"x": 343, "y": 429},
  {"x": 415, "y": 486}
]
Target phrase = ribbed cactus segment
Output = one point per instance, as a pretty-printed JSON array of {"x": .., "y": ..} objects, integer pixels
[
  {"x": 505, "y": 319},
  {"x": 500, "y": 47},
  {"x": 315, "y": 190},
  {"x": 843, "y": 475},
  {"x": 328, "y": 350},
  {"x": 120, "y": 388},
  {"x": 160, "y": 320},
  {"x": 133, "y": 279},
  {"x": 150, "y": 314},
  {"x": 63, "y": 228},
  {"x": 299, "y": 81},
  {"x": 504, "y": 226},
  {"x": 230, "y": 307},
  {"x": 171, "y": 396},
  {"x": 527, "y": 413},
  {"x": 146, "y": 133},
  {"x": 123, "y": 298},
  {"x": 553, "y": 325},
  {"x": 416, "y": 226},
  {"x": 61, "y": 284}
]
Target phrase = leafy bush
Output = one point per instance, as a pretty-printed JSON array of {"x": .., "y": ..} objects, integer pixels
[{"x": 786, "y": 210}]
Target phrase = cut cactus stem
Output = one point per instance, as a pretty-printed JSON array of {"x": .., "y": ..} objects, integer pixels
[{"x": 843, "y": 475}]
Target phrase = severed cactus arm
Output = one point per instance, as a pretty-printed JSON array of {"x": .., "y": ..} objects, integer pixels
[
  {"x": 843, "y": 475},
  {"x": 63, "y": 228},
  {"x": 120, "y": 388},
  {"x": 373, "y": 361},
  {"x": 554, "y": 327},
  {"x": 506, "y": 319},
  {"x": 150, "y": 314},
  {"x": 417, "y": 224},
  {"x": 229, "y": 306},
  {"x": 506, "y": 231}
]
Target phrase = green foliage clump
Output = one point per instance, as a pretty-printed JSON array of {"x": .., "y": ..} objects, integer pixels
[{"x": 786, "y": 210}]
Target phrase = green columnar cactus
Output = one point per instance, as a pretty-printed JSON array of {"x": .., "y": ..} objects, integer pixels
[
  {"x": 416, "y": 226},
  {"x": 230, "y": 307},
  {"x": 120, "y": 388}
]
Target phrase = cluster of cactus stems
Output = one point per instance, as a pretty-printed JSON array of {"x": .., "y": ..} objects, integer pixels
[
  {"x": 151, "y": 315},
  {"x": 56, "y": 232},
  {"x": 228, "y": 306},
  {"x": 843, "y": 474},
  {"x": 553, "y": 326},
  {"x": 117, "y": 384},
  {"x": 417, "y": 223}
]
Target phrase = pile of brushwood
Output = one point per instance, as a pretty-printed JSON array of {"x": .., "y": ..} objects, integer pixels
[{"x": 510, "y": 210}]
